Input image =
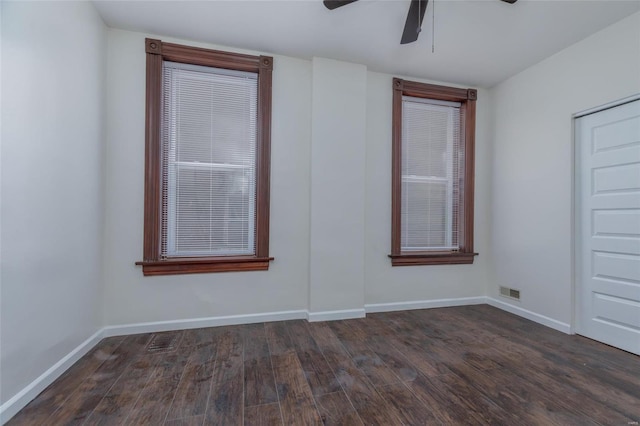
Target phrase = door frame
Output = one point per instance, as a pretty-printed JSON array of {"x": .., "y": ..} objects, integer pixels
[{"x": 576, "y": 236}]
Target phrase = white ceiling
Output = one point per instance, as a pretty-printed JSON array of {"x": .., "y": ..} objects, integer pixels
[{"x": 477, "y": 42}]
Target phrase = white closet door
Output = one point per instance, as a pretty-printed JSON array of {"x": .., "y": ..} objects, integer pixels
[{"x": 608, "y": 226}]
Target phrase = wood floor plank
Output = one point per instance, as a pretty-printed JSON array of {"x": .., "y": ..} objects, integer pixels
[
  {"x": 528, "y": 401},
  {"x": 466, "y": 342},
  {"x": 49, "y": 400},
  {"x": 316, "y": 369},
  {"x": 365, "y": 358},
  {"x": 609, "y": 374},
  {"x": 410, "y": 346},
  {"x": 378, "y": 340},
  {"x": 412, "y": 410},
  {"x": 370, "y": 405},
  {"x": 193, "y": 389},
  {"x": 436, "y": 348},
  {"x": 444, "y": 407},
  {"x": 259, "y": 385},
  {"x": 476, "y": 404},
  {"x": 117, "y": 404},
  {"x": 336, "y": 409},
  {"x": 278, "y": 338},
  {"x": 455, "y": 402},
  {"x": 154, "y": 401},
  {"x": 602, "y": 383},
  {"x": 296, "y": 398},
  {"x": 199, "y": 336},
  {"x": 565, "y": 392},
  {"x": 436, "y": 330},
  {"x": 226, "y": 398},
  {"x": 88, "y": 395},
  {"x": 510, "y": 351},
  {"x": 263, "y": 415},
  {"x": 187, "y": 421},
  {"x": 443, "y": 326},
  {"x": 615, "y": 358}
]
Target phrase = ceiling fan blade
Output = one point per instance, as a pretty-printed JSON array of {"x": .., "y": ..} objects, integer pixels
[
  {"x": 334, "y": 4},
  {"x": 510, "y": 1},
  {"x": 413, "y": 24}
]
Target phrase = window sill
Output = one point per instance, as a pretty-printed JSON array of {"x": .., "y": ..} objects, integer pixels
[
  {"x": 432, "y": 258},
  {"x": 199, "y": 265}
]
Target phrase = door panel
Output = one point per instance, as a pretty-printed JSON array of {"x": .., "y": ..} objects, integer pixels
[
  {"x": 615, "y": 135},
  {"x": 616, "y": 309},
  {"x": 624, "y": 290},
  {"x": 616, "y": 179},
  {"x": 616, "y": 266},
  {"x": 623, "y": 223},
  {"x": 608, "y": 226}
]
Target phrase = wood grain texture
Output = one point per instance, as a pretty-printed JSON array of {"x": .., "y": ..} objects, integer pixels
[
  {"x": 410, "y": 408},
  {"x": 446, "y": 409},
  {"x": 116, "y": 405},
  {"x": 408, "y": 344},
  {"x": 226, "y": 400},
  {"x": 370, "y": 405},
  {"x": 259, "y": 384},
  {"x": 476, "y": 405},
  {"x": 294, "y": 393},
  {"x": 316, "y": 369},
  {"x": 187, "y": 421},
  {"x": 378, "y": 340},
  {"x": 365, "y": 358},
  {"x": 154, "y": 401},
  {"x": 199, "y": 336},
  {"x": 522, "y": 397},
  {"x": 278, "y": 337},
  {"x": 49, "y": 400},
  {"x": 88, "y": 395},
  {"x": 263, "y": 415},
  {"x": 193, "y": 390},
  {"x": 465, "y": 365},
  {"x": 336, "y": 409}
]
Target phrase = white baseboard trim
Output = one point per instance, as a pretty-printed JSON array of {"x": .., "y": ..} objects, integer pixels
[
  {"x": 423, "y": 304},
  {"x": 152, "y": 327},
  {"x": 22, "y": 398},
  {"x": 335, "y": 315},
  {"x": 524, "y": 313}
]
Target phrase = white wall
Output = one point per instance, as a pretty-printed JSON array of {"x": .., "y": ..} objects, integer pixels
[
  {"x": 384, "y": 283},
  {"x": 52, "y": 204},
  {"x": 533, "y": 157},
  {"x": 131, "y": 298},
  {"x": 339, "y": 99}
]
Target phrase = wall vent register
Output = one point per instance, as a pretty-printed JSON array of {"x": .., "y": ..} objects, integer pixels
[{"x": 510, "y": 293}]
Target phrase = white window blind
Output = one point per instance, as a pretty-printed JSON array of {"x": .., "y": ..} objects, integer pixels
[
  {"x": 431, "y": 175},
  {"x": 209, "y": 161}
]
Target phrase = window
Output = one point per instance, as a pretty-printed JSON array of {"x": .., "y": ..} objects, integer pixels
[
  {"x": 432, "y": 174},
  {"x": 208, "y": 125}
]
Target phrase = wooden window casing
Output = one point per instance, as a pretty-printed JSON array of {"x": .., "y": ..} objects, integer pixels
[
  {"x": 467, "y": 99},
  {"x": 153, "y": 263}
]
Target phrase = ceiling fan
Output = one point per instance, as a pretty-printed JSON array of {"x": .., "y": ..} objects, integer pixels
[{"x": 412, "y": 25}]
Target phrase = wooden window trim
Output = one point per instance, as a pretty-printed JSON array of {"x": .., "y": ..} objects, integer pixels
[
  {"x": 467, "y": 98},
  {"x": 152, "y": 263}
]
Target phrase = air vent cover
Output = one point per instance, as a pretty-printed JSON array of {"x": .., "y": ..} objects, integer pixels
[
  {"x": 510, "y": 293},
  {"x": 164, "y": 342}
]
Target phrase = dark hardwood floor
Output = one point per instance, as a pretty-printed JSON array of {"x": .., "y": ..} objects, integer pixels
[{"x": 466, "y": 365}]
